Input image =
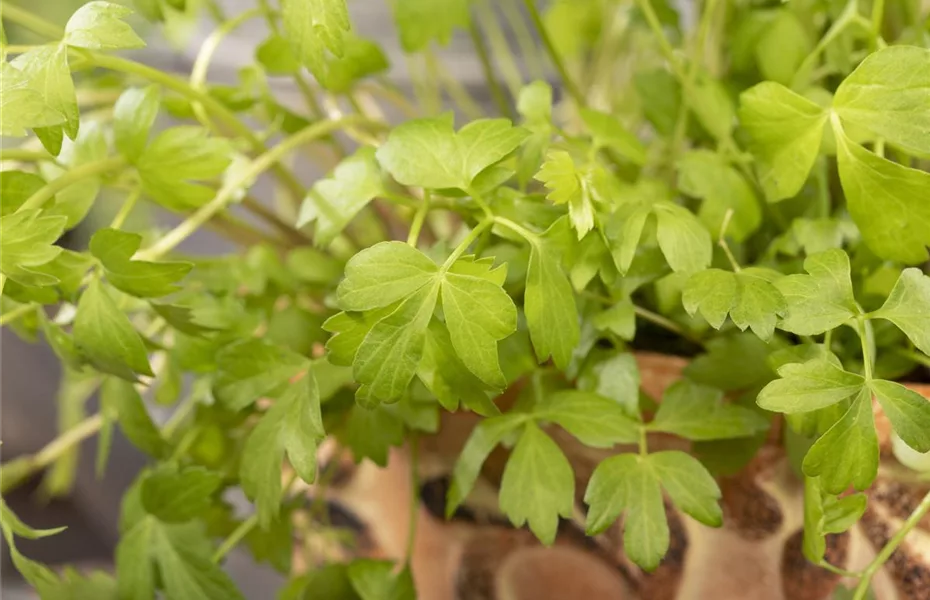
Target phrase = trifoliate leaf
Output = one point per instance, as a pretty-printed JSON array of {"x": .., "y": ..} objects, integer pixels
[
  {"x": 105, "y": 336},
  {"x": 444, "y": 374},
  {"x": 483, "y": 439},
  {"x": 561, "y": 178},
  {"x": 478, "y": 314},
  {"x": 784, "y": 130},
  {"x": 252, "y": 368},
  {"x": 133, "y": 116},
  {"x": 315, "y": 27},
  {"x": 376, "y": 580},
  {"x": 27, "y": 240},
  {"x": 140, "y": 278},
  {"x": 889, "y": 95},
  {"x": 538, "y": 485},
  {"x": 822, "y": 300},
  {"x": 550, "y": 307},
  {"x": 421, "y": 21},
  {"x": 628, "y": 483},
  {"x": 46, "y": 69},
  {"x": 292, "y": 426},
  {"x": 747, "y": 296},
  {"x": 847, "y": 454},
  {"x": 175, "y": 495},
  {"x": 383, "y": 274},
  {"x": 98, "y": 25},
  {"x": 596, "y": 421},
  {"x": 908, "y": 307},
  {"x": 698, "y": 413},
  {"x": 808, "y": 386},
  {"x": 429, "y": 153},
  {"x": 689, "y": 485},
  {"x": 908, "y": 411},
  {"x": 335, "y": 201},
  {"x": 608, "y": 132},
  {"x": 886, "y": 200},
  {"x": 177, "y": 156},
  {"x": 706, "y": 175},
  {"x": 390, "y": 354}
]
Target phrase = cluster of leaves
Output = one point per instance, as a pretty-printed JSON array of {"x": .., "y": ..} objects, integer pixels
[{"x": 760, "y": 201}]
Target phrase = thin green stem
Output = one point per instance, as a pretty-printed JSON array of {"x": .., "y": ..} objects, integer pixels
[
  {"x": 418, "y": 220},
  {"x": 665, "y": 323},
  {"x": 497, "y": 93},
  {"x": 179, "y": 416},
  {"x": 834, "y": 569},
  {"x": 866, "y": 353},
  {"x": 643, "y": 441},
  {"x": 91, "y": 169},
  {"x": 917, "y": 357},
  {"x": 128, "y": 204},
  {"x": 414, "y": 498},
  {"x": 269, "y": 216},
  {"x": 849, "y": 15},
  {"x": 16, "y": 313},
  {"x": 24, "y": 155},
  {"x": 500, "y": 48},
  {"x": 645, "y": 6},
  {"x": 235, "y": 537},
  {"x": 518, "y": 229},
  {"x": 722, "y": 240},
  {"x": 473, "y": 235},
  {"x": 553, "y": 53},
  {"x": 878, "y": 15},
  {"x": 862, "y": 589},
  {"x": 244, "y": 178},
  {"x": 456, "y": 91},
  {"x": 30, "y": 21},
  {"x": 528, "y": 48}
]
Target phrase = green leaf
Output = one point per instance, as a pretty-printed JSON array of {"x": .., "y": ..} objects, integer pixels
[
  {"x": 430, "y": 154},
  {"x": 133, "y": 116},
  {"x": 908, "y": 307},
  {"x": 847, "y": 454},
  {"x": 98, "y": 26},
  {"x": 808, "y": 386},
  {"x": 782, "y": 47},
  {"x": 619, "y": 319},
  {"x": 683, "y": 239},
  {"x": 23, "y": 105},
  {"x": 349, "y": 330},
  {"x": 134, "y": 569},
  {"x": 335, "y": 201},
  {"x": 144, "y": 279},
  {"x": 549, "y": 305},
  {"x": 483, "y": 439},
  {"x": 444, "y": 374},
  {"x": 615, "y": 377},
  {"x": 561, "y": 178},
  {"x": 886, "y": 200},
  {"x": 15, "y": 188},
  {"x": 46, "y": 68},
  {"x": 176, "y": 495},
  {"x": 698, "y": 413},
  {"x": 252, "y": 368},
  {"x": 715, "y": 367},
  {"x": 187, "y": 571},
  {"x": 27, "y": 240},
  {"x": 627, "y": 482},
  {"x": 538, "y": 485},
  {"x": 747, "y": 296},
  {"x": 76, "y": 200},
  {"x": 889, "y": 95},
  {"x": 292, "y": 426},
  {"x": 596, "y": 421},
  {"x": 689, "y": 485},
  {"x": 13, "y": 525},
  {"x": 478, "y": 314},
  {"x": 383, "y": 274},
  {"x": 120, "y": 398},
  {"x": 376, "y": 580},
  {"x": 535, "y": 104},
  {"x": 106, "y": 337},
  {"x": 706, "y": 175},
  {"x": 314, "y": 27},
  {"x": 712, "y": 105},
  {"x": 784, "y": 130},
  {"x": 421, "y": 21},
  {"x": 608, "y": 132},
  {"x": 822, "y": 300},
  {"x": 370, "y": 432},
  {"x": 908, "y": 411},
  {"x": 361, "y": 58},
  {"x": 275, "y": 55}
]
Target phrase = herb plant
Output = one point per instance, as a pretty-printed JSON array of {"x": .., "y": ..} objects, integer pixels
[{"x": 751, "y": 189}]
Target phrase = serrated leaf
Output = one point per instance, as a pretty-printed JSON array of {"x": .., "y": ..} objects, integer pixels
[
  {"x": 140, "y": 278},
  {"x": 27, "y": 240},
  {"x": 98, "y": 25},
  {"x": 176, "y": 495},
  {"x": 549, "y": 306},
  {"x": 886, "y": 200},
  {"x": 847, "y": 454},
  {"x": 182, "y": 553},
  {"x": 383, "y": 274},
  {"x": 252, "y": 368},
  {"x": 315, "y": 27},
  {"x": 808, "y": 386},
  {"x": 908, "y": 411},
  {"x": 689, "y": 485},
  {"x": 560, "y": 176},
  {"x": 119, "y": 398},
  {"x": 538, "y": 485},
  {"x": 596, "y": 421},
  {"x": 133, "y": 116},
  {"x": 750, "y": 300},
  {"x": 349, "y": 330},
  {"x": 821, "y": 300},
  {"x": 478, "y": 314},
  {"x": 430, "y": 154},
  {"x": 704, "y": 174},
  {"x": 698, "y": 413},
  {"x": 889, "y": 95},
  {"x": 908, "y": 307},
  {"x": 784, "y": 130},
  {"x": 333, "y": 202},
  {"x": 421, "y": 21},
  {"x": 134, "y": 568},
  {"x": 106, "y": 337}
]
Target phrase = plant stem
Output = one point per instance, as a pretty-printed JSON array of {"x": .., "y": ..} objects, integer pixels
[
  {"x": 849, "y": 15},
  {"x": 722, "y": 240},
  {"x": 414, "y": 498},
  {"x": 664, "y": 45},
  {"x": 878, "y": 15},
  {"x": 501, "y": 49},
  {"x": 243, "y": 178},
  {"x": 917, "y": 357},
  {"x": 454, "y": 88},
  {"x": 863, "y": 588},
  {"x": 665, "y": 323},
  {"x": 30, "y": 21},
  {"x": 16, "y": 313},
  {"x": 518, "y": 229},
  {"x": 235, "y": 537},
  {"x": 76, "y": 174},
  {"x": 418, "y": 220},
  {"x": 643, "y": 441},
  {"x": 528, "y": 49},
  {"x": 834, "y": 569},
  {"x": 553, "y": 53},
  {"x": 128, "y": 204},
  {"x": 464, "y": 244},
  {"x": 864, "y": 340},
  {"x": 497, "y": 93},
  {"x": 272, "y": 218},
  {"x": 23, "y": 155}
]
